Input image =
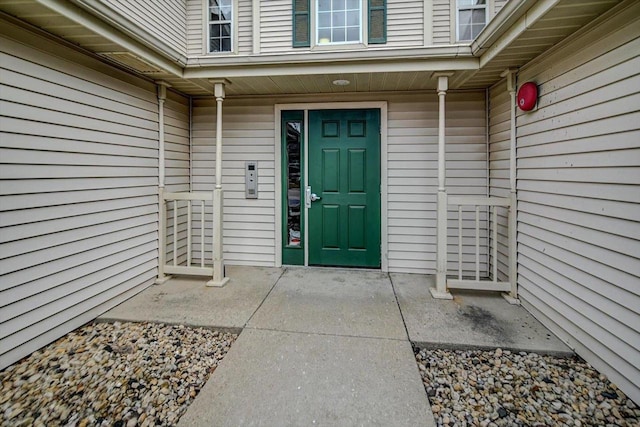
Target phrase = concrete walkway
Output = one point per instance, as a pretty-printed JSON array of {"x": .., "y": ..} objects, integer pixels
[{"x": 328, "y": 346}]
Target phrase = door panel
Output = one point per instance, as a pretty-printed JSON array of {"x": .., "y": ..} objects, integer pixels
[{"x": 344, "y": 171}]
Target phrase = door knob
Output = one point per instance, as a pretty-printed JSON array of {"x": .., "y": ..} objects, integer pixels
[{"x": 315, "y": 197}]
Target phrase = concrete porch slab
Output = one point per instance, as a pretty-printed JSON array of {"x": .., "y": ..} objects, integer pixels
[
  {"x": 356, "y": 303},
  {"x": 471, "y": 320},
  {"x": 273, "y": 378},
  {"x": 188, "y": 301}
]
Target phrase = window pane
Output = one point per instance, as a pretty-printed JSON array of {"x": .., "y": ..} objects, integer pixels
[
  {"x": 214, "y": 45},
  {"x": 226, "y": 30},
  {"x": 324, "y": 5},
  {"x": 214, "y": 15},
  {"x": 353, "y": 4},
  {"x": 465, "y": 32},
  {"x": 338, "y": 4},
  {"x": 226, "y": 13},
  {"x": 478, "y": 16},
  {"x": 226, "y": 45},
  {"x": 464, "y": 17},
  {"x": 294, "y": 204},
  {"x": 324, "y": 36},
  {"x": 353, "y": 18},
  {"x": 338, "y": 35},
  {"x": 215, "y": 30},
  {"x": 353, "y": 34},
  {"x": 338, "y": 19},
  {"x": 324, "y": 20}
]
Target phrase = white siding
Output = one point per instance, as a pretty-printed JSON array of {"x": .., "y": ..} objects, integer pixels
[
  {"x": 579, "y": 194},
  {"x": 196, "y": 33},
  {"x": 176, "y": 120},
  {"x": 275, "y": 26},
  {"x": 78, "y": 191},
  {"x": 165, "y": 20},
  {"x": 499, "y": 148},
  {"x": 498, "y": 5},
  {"x": 405, "y": 23},
  {"x": 248, "y": 134},
  {"x": 245, "y": 27},
  {"x": 413, "y": 176},
  {"x": 441, "y": 22}
]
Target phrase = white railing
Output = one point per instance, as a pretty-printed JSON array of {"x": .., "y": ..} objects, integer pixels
[
  {"x": 171, "y": 201},
  {"x": 479, "y": 283}
]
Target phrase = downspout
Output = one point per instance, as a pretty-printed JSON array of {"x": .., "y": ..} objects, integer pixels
[
  {"x": 488, "y": 169},
  {"x": 162, "y": 215},
  {"x": 510, "y": 74}
]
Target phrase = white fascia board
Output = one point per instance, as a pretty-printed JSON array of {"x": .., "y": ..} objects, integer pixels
[
  {"x": 508, "y": 27},
  {"x": 115, "y": 35},
  {"x": 269, "y": 70}
]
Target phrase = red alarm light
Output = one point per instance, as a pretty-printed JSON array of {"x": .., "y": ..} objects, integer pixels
[{"x": 527, "y": 96}]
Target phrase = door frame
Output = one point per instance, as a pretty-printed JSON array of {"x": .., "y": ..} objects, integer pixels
[{"x": 305, "y": 107}]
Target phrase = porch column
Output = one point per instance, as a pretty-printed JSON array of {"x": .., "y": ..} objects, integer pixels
[
  {"x": 512, "y": 225},
  {"x": 219, "y": 278},
  {"x": 440, "y": 291},
  {"x": 162, "y": 213}
]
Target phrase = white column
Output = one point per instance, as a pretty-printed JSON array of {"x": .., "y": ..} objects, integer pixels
[
  {"x": 162, "y": 213},
  {"x": 440, "y": 291},
  {"x": 219, "y": 278},
  {"x": 512, "y": 225},
  {"x": 255, "y": 13}
]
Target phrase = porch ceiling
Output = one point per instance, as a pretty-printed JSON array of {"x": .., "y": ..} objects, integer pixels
[{"x": 519, "y": 33}]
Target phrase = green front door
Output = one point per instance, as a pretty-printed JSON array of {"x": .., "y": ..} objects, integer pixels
[{"x": 344, "y": 172}]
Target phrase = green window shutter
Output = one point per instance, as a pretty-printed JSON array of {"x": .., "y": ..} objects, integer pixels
[
  {"x": 377, "y": 21},
  {"x": 301, "y": 23}
]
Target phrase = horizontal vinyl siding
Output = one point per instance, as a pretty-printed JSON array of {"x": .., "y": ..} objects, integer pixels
[
  {"x": 245, "y": 27},
  {"x": 579, "y": 194},
  {"x": 248, "y": 134},
  {"x": 413, "y": 175},
  {"x": 405, "y": 23},
  {"x": 78, "y": 191},
  {"x": 499, "y": 161},
  {"x": 165, "y": 20},
  {"x": 275, "y": 26},
  {"x": 441, "y": 22},
  {"x": 177, "y": 171},
  {"x": 196, "y": 33}
]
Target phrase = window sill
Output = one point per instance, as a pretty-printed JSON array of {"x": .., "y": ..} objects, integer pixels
[{"x": 333, "y": 47}]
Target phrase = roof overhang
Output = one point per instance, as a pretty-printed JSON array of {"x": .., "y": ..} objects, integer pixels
[{"x": 522, "y": 30}]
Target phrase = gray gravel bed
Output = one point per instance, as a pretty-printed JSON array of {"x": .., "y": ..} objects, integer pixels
[
  {"x": 502, "y": 388},
  {"x": 112, "y": 374}
]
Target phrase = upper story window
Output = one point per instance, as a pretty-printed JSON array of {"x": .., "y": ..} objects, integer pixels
[
  {"x": 220, "y": 26},
  {"x": 339, "y": 22},
  {"x": 471, "y": 18}
]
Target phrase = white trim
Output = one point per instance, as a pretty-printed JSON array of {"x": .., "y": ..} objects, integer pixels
[{"x": 357, "y": 105}]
